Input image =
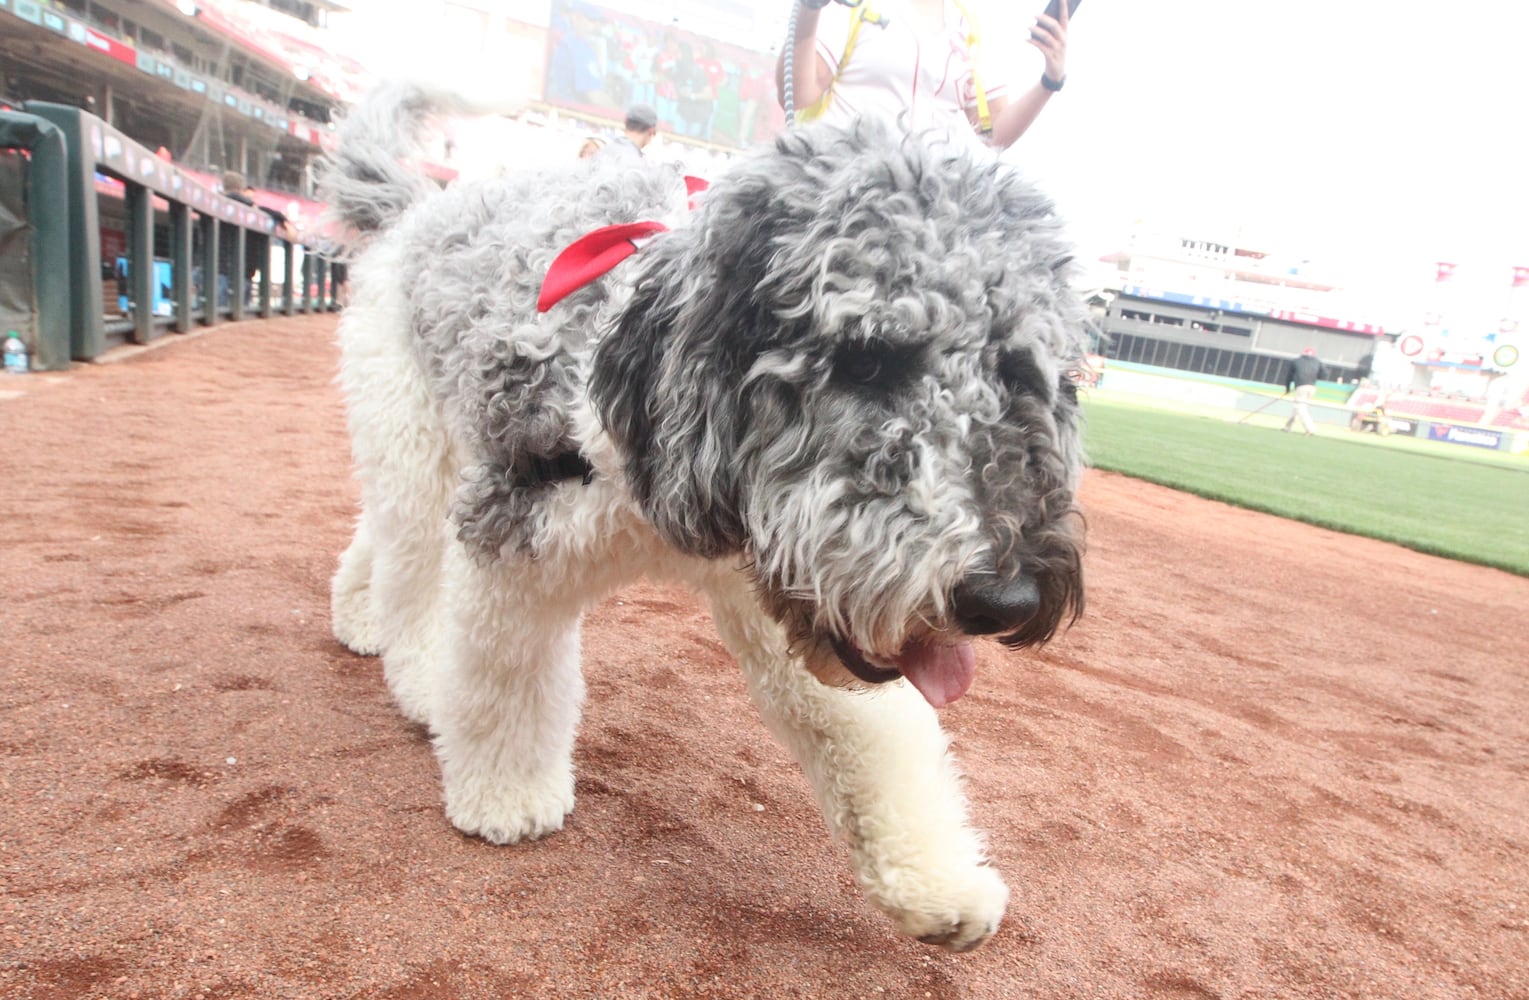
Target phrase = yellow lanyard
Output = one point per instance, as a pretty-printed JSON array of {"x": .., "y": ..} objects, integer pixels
[
  {"x": 863, "y": 13},
  {"x": 973, "y": 41}
]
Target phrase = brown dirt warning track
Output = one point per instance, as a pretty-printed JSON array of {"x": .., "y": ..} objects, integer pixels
[{"x": 1270, "y": 761}]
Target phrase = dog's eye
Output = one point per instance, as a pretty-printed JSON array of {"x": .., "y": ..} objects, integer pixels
[
  {"x": 873, "y": 363},
  {"x": 860, "y": 363}
]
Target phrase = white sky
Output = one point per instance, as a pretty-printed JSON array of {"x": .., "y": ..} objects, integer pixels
[
  {"x": 1375, "y": 136},
  {"x": 1367, "y": 133}
]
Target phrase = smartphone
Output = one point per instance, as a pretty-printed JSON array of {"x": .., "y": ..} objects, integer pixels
[{"x": 1054, "y": 9}]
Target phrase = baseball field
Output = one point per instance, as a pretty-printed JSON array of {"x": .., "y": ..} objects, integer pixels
[
  {"x": 1272, "y": 760},
  {"x": 1450, "y": 500}
]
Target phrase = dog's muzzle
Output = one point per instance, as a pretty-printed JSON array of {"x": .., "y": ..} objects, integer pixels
[{"x": 983, "y": 604}]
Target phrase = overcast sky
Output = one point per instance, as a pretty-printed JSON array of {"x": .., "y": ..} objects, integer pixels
[
  {"x": 1366, "y": 130},
  {"x": 1374, "y": 135}
]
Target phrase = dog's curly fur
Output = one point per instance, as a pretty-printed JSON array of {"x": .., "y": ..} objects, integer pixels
[{"x": 837, "y": 398}]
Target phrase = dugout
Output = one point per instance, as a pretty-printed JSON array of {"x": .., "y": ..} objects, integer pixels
[
  {"x": 165, "y": 265},
  {"x": 34, "y": 277}
]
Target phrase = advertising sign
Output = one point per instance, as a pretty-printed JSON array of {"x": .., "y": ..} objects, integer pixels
[
  {"x": 1465, "y": 435},
  {"x": 601, "y": 61}
]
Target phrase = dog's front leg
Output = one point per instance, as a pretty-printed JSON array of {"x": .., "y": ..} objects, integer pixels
[
  {"x": 884, "y": 777},
  {"x": 507, "y": 709}
]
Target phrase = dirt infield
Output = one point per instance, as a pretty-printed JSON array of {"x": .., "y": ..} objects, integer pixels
[{"x": 1271, "y": 761}]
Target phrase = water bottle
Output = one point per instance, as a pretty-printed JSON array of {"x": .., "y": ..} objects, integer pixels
[{"x": 15, "y": 354}]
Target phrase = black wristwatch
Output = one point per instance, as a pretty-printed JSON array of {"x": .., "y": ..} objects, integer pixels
[{"x": 1046, "y": 81}]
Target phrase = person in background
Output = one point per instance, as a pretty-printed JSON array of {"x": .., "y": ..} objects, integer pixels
[
  {"x": 257, "y": 246},
  {"x": 284, "y": 229},
  {"x": 591, "y": 147},
  {"x": 639, "y": 129},
  {"x": 1302, "y": 375},
  {"x": 924, "y": 64},
  {"x": 339, "y": 285},
  {"x": 234, "y": 186}
]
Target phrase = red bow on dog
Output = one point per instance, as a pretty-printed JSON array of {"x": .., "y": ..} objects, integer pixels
[
  {"x": 596, "y": 252},
  {"x": 590, "y": 256}
]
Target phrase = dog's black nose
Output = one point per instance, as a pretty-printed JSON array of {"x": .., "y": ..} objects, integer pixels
[{"x": 986, "y": 603}]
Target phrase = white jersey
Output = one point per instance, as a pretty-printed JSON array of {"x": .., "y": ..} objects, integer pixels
[{"x": 920, "y": 82}]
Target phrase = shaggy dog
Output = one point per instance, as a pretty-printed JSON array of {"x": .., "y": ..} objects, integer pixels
[{"x": 836, "y": 398}]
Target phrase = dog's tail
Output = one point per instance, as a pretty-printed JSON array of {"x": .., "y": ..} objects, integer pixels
[{"x": 374, "y": 175}]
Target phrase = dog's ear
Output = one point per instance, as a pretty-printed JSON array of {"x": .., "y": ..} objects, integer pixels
[
  {"x": 665, "y": 385},
  {"x": 670, "y": 377}
]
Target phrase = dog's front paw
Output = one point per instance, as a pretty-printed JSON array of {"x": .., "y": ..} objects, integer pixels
[
  {"x": 351, "y": 618},
  {"x": 958, "y": 911},
  {"x": 503, "y": 814}
]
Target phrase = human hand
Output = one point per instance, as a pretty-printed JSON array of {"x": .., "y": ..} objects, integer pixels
[{"x": 1050, "y": 36}]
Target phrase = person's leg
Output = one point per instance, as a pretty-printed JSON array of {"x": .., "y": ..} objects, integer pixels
[{"x": 1303, "y": 394}]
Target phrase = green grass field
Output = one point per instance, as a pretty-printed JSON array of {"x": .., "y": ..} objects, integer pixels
[{"x": 1448, "y": 500}]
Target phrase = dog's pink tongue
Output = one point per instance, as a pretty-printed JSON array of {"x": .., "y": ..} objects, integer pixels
[{"x": 941, "y": 673}]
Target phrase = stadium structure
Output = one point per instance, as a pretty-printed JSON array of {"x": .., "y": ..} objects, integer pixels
[
  {"x": 120, "y": 120},
  {"x": 210, "y": 85},
  {"x": 1213, "y": 308},
  {"x": 255, "y": 86}
]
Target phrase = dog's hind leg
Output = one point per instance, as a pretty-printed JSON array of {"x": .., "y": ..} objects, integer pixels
[
  {"x": 883, "y": 775},
  {"x": 351, "y": 616},
  {"x": 406, "y": 598},
  {"x": 509, "y": 700},
  {"x": 386, "y": 594}
]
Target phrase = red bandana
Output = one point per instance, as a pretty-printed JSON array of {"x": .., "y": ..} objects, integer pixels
[
  {"x": 590, "y": 256},
  {"x": 596, "y": 252}
]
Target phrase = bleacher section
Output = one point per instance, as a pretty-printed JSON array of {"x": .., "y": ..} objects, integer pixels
[{"x": 1450, "y": 411}]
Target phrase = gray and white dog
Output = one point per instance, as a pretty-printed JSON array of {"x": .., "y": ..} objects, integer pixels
[{"x": 836, "y": 398}]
